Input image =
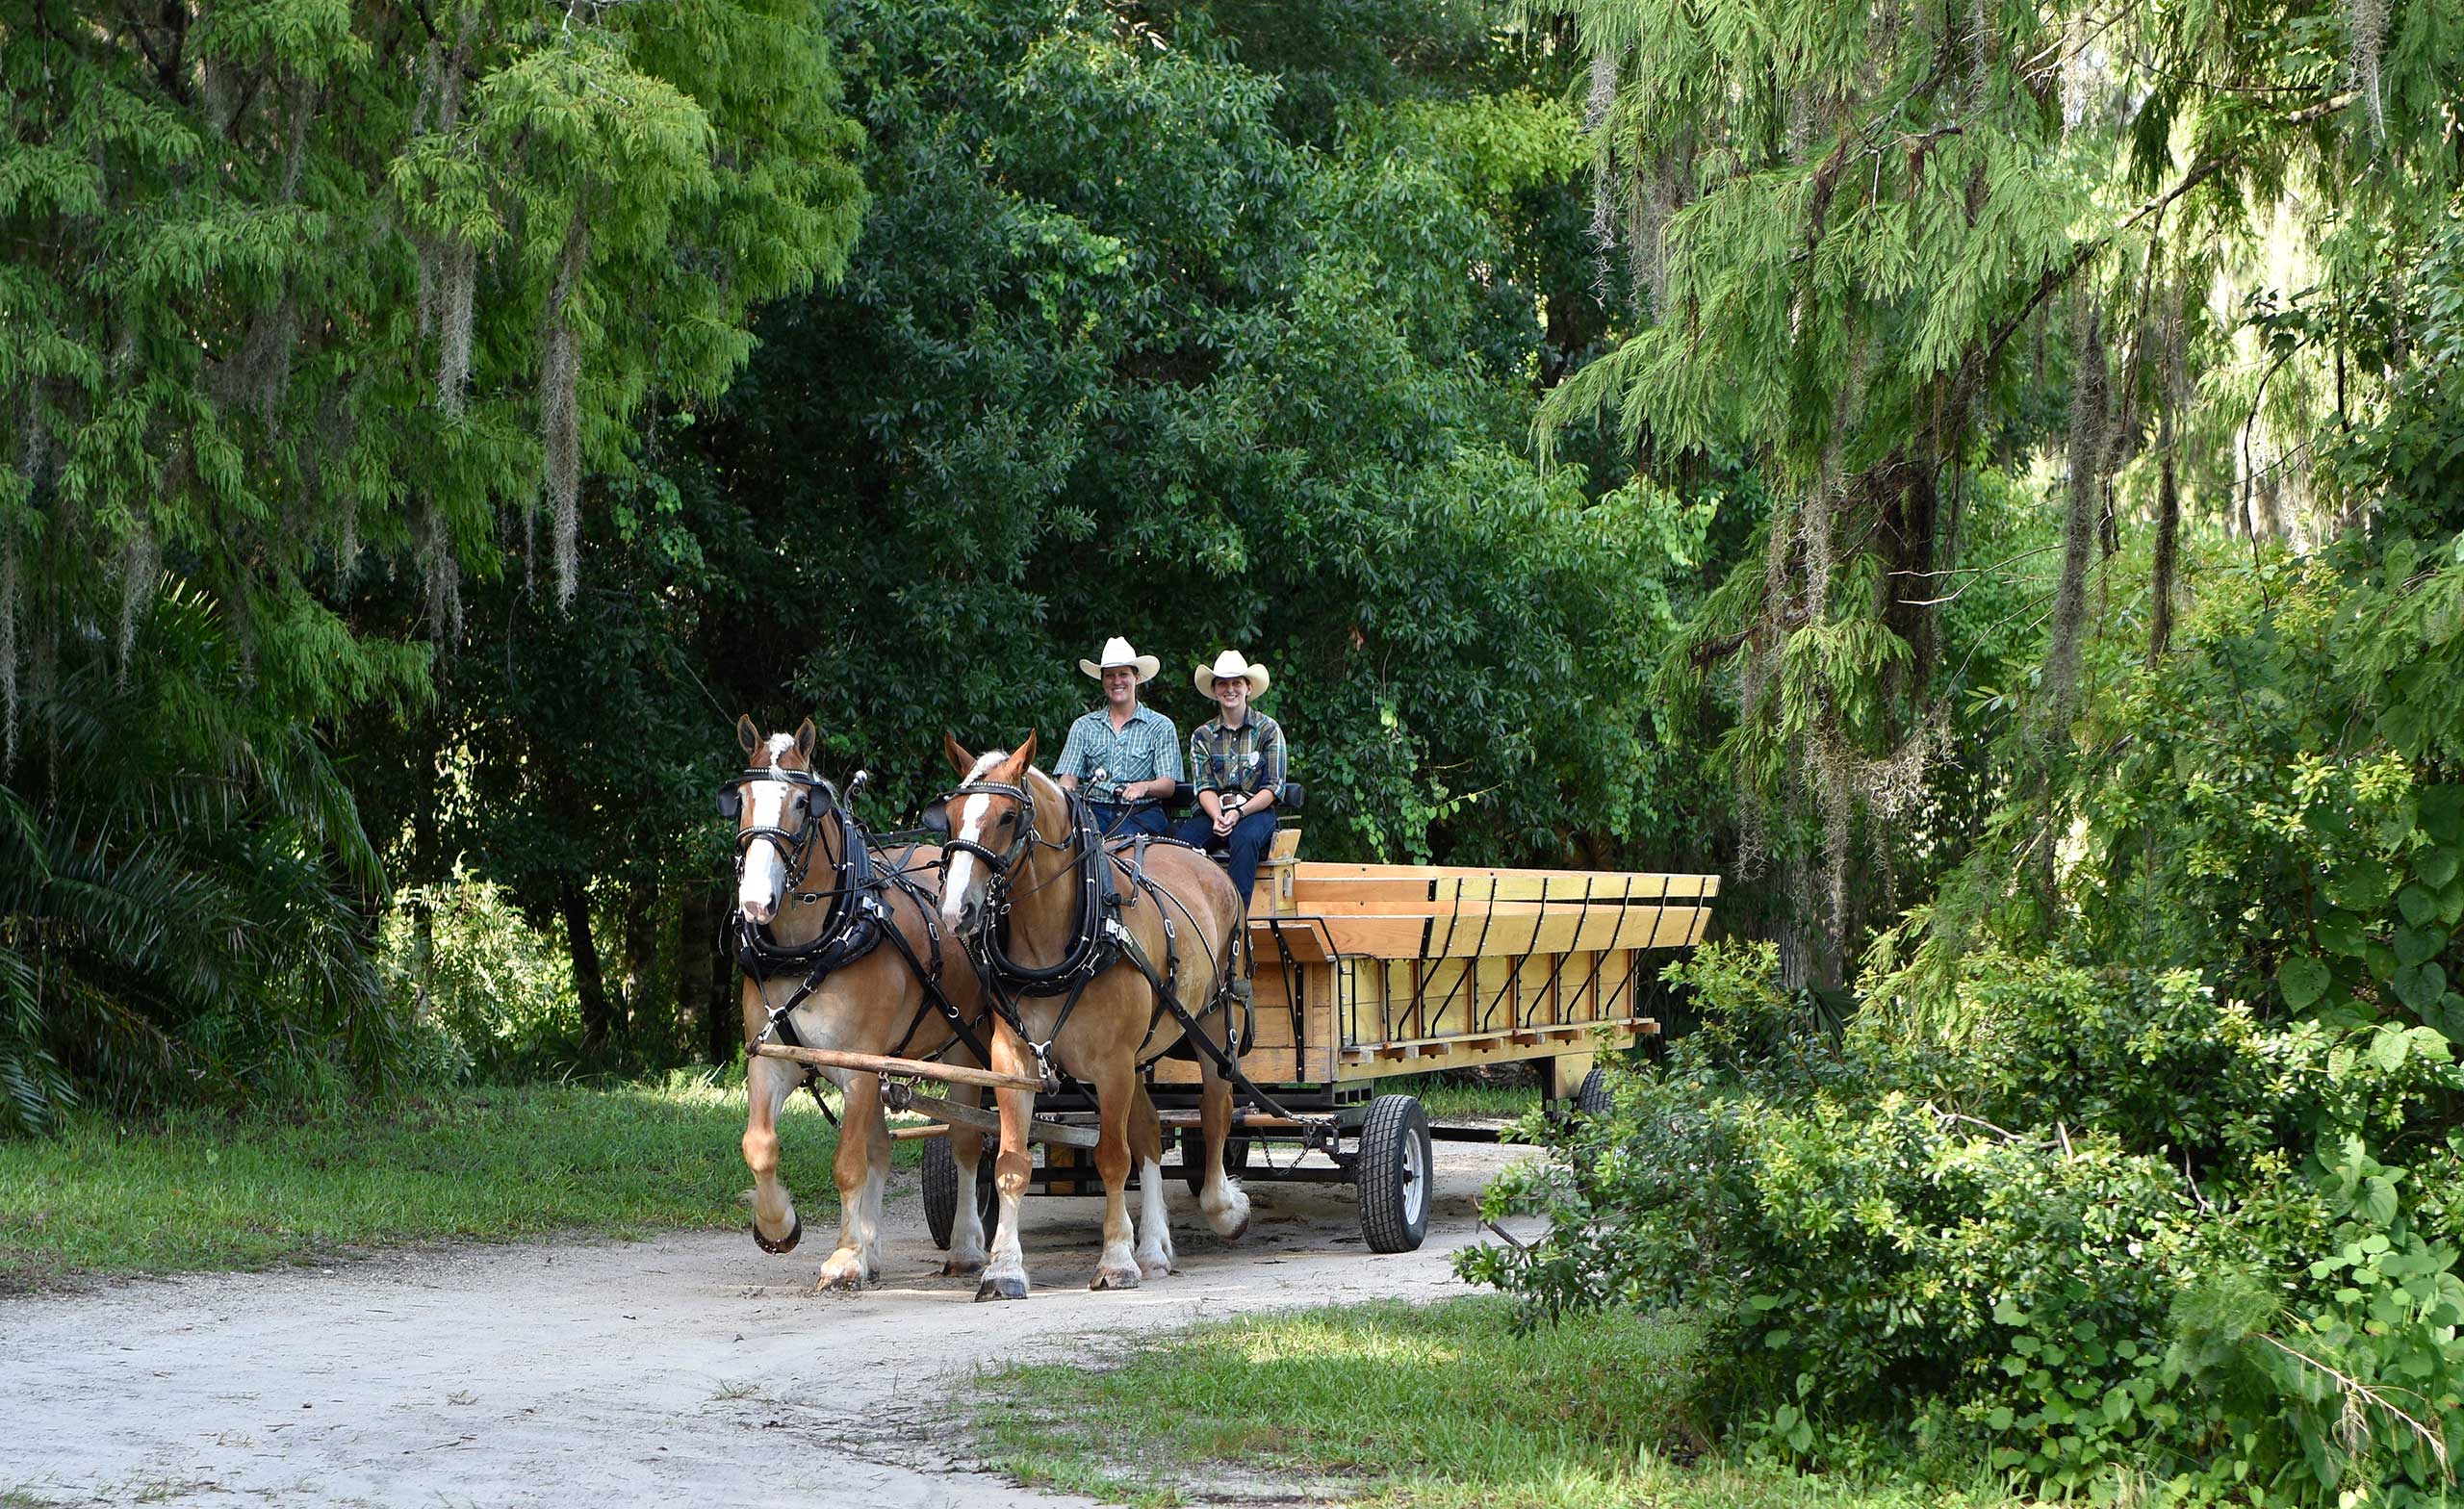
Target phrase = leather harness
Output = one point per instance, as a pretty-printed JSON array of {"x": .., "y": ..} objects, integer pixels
[
  {"x": 858, "y": 920},
  {"x": 1109, "y": 877}
]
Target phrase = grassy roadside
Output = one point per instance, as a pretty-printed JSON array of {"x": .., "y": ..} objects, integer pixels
[
  {"x": 1443, "y": 1406},
  {"x": 485, "y": 1165}
]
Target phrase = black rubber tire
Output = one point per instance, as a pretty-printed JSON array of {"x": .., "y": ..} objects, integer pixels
[
  {"x": 1236, "y": 1157},
  {"x": 941, "y": 1192},
  {"x": 1394, "y": 1174},
  {"x": 1592, "y": 1098}
]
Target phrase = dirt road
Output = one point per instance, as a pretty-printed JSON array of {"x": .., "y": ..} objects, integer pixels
[{"x": 690, "y": 1369}]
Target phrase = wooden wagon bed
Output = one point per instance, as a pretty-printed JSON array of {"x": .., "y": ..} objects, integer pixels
[{"x": 1364, "y": 970}]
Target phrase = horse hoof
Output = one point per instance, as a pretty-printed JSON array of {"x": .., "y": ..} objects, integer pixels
[
  {"x": 787, "y": 1243},
  {"x": 846, "y": 1280},
  {"x": 1003, "y": 1287},
  {"x": 954, "y": 1268},
  {"x": 1115, "y": 1278},
  {"x": 1154, "y": 1267}
]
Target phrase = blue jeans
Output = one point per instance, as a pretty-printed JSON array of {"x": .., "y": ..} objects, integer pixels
[
  {"x": 1247, "y": 840},
  {"x": 1119, "y": 820}
]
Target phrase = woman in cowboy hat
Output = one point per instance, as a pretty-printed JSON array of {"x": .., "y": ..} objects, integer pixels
[
  {"x": 1128, "y": 757},
  {"x": 1236, "y": 763}
]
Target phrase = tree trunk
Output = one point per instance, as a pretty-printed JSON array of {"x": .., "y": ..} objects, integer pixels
[
  {"x": 598, "y": 1014},
  {"x": 1913, "y": 522},
  {"x": 423, "y": 879},
  {"x": 640, "y": 955},
  {"x": 2168, "y": 533},
  {"x": 723, "y": 1019},
  {"x": 2078, "y": 533},
  {"x": 696, "y": 967}
]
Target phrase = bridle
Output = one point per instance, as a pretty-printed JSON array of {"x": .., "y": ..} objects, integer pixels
[
  {"x": 999, "y": 864},
  {"x": 795, "y": 848}
]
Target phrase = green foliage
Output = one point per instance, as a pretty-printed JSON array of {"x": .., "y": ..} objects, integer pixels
[
  {"x": 1120, "y": 353},
  {"x": 2100, "y": 1240},
  {"x": 177, "y": 914},
  {"x": 301, "y": 295},
  {"x": 465, "y": 964}
]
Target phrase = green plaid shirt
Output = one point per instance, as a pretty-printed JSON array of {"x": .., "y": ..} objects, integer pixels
[
  {"x": 1147, "y": 747},
  {"x": 1246, "y": 759}
]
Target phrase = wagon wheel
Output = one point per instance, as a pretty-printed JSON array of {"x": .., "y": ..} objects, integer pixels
[
  {"x": 1236, "y": 1156},
  {"x": 1395, "y": 1174},
  {"x": 941, "y": 1192},
  {"x": 1592, "y": 1098}
]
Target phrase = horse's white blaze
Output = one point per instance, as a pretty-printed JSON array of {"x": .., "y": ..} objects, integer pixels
[
  {"x": 969, "y": 826},
  {"x": 765, "y": 868}
]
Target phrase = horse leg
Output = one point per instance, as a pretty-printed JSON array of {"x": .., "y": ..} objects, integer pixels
[
  {"x": 1116, "y": 1082},
  {"x": 862, "y": 1167},
  {"x": 1220, "y": 1198},
  {"x": 768, "y": 1085},
  {"x": 966, "y": 1226},
  {"x": 1155, "y": 1253},
  {"x": 1005, "y": 1270}
]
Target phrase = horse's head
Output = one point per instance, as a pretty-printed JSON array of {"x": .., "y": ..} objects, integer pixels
[
  {"x": 779, "y": 805},
  {"x": 989, "y": 818}
]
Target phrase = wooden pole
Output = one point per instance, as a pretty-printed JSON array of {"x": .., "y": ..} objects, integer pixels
[{"x": 876, "y": 1063}]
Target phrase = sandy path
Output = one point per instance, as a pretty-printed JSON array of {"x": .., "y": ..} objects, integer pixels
[{"x": 689, "y": 1369}]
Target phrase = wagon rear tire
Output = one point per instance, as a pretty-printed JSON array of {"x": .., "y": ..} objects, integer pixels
[
  {"x": 1592, "y": 1097},
  {"x": 1395, "y": 1174},
  {"x": 941, "y": 1192}
]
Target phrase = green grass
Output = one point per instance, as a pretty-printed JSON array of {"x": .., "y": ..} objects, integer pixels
[
  {"x": 1445, "y": 1101},
  {"x": 1441, "y": 1406},
  {"x": 489, "y": 1165}
]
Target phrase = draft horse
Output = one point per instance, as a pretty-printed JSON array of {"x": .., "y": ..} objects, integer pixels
[
  {"x": 1096, "y": 960},
  {"x": 840, "y": 946}
]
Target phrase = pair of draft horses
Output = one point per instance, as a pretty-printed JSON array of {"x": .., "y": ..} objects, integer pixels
[{"x": 843, "y": 949}]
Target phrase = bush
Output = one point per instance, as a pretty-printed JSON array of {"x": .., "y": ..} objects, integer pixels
[{"x": 2120, "y": 1229}]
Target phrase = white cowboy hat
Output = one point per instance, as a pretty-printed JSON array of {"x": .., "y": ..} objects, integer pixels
[
  {"x": 1117, "y": 652},
  {"x": 1230, "y": 664}
]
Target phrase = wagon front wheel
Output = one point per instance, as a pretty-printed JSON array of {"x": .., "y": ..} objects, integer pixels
[
  {"x": 1394, "y": 1171},
  {"x": 941, "y": 1192}
]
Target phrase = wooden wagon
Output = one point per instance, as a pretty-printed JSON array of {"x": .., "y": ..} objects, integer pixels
[{"x": 1369, "y": 971}]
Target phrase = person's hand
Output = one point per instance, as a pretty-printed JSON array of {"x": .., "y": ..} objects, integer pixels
[{"x": 1226, "y": 818}]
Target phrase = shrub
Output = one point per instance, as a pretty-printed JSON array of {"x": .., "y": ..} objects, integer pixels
[{"x": 2120, "y": 1229}]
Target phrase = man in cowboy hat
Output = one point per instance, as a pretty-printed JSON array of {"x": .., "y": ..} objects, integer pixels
[
  {"x": 1128, "y": 757},
  {"x": 1236, "y": 763}
]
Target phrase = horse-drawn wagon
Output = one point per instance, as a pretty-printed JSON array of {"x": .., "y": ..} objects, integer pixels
[
  {"x": 1125, "y": 984},
  {"x": 1364, "y": 972}
]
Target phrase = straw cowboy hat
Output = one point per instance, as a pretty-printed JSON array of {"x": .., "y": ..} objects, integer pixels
[
  {"x": 1117, "y": 652},
  {"x": 1230, "y": 664}
]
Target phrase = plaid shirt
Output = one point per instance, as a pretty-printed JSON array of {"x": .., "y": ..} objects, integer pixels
[
  {"x": 1246, "y": 759},
  {"x": 1147, "y": 747}
]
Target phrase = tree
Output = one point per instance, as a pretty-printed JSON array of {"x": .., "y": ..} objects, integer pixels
[
  {"x": 1851, "y": 218},
  {"x": 301, "y": 293}
]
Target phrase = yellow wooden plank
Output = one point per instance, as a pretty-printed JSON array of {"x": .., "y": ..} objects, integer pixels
[
  {"x": 1332, "y": 880},
  {"x": 1366, "y": 1063},
  {"x": 1305, "y": 939}
]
